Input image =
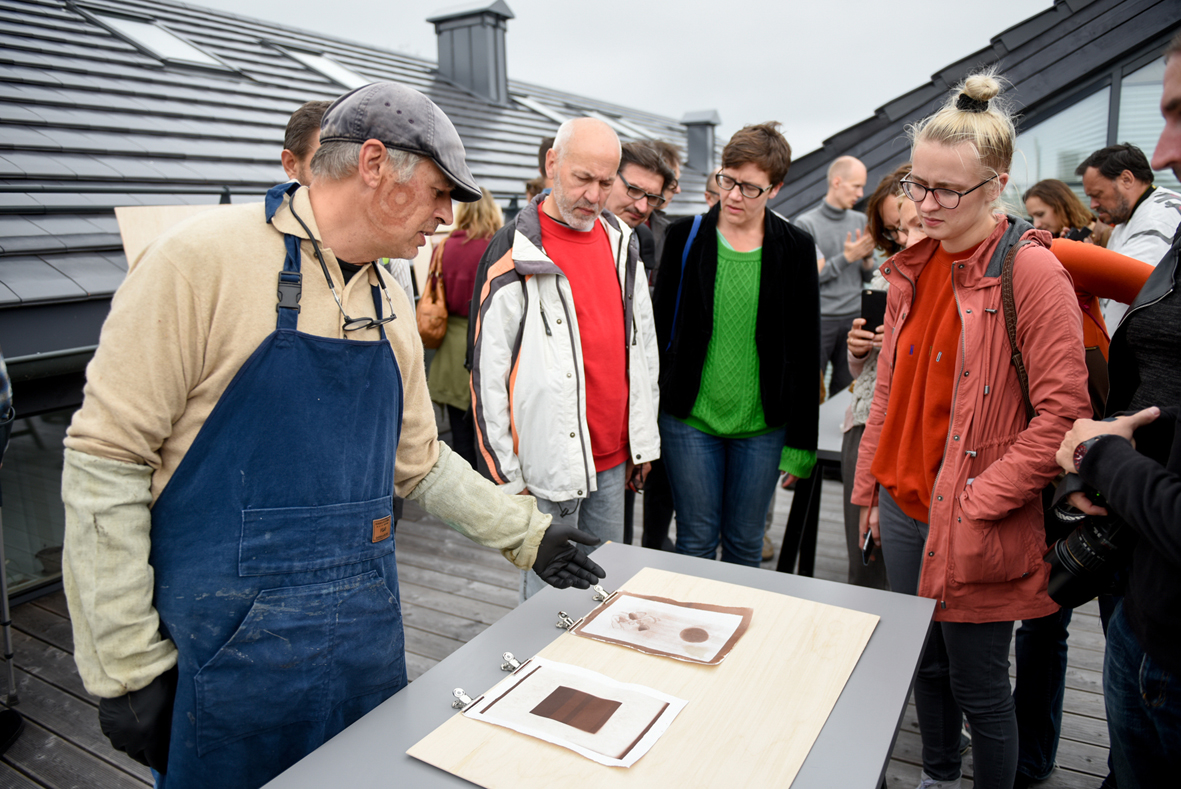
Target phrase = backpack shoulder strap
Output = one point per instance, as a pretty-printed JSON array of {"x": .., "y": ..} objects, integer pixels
[
  {"x": 681, "y": 281},
  {"x": 1009, "y": 304}
]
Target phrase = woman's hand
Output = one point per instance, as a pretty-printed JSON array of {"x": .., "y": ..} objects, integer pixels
[
  {"x": 861, "y": 342},
  {"x": 868, "y": 521}
]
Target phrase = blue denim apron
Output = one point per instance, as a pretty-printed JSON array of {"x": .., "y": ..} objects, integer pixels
[{"x": 273, "y": 552}]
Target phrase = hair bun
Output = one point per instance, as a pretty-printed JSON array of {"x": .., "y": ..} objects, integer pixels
[{"x": 981, "y": 87}]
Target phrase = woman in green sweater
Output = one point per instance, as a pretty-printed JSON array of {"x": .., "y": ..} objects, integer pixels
[{"x": 737, "y": 314}]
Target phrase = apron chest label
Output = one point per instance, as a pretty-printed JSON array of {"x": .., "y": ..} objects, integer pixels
[{"x": 381, "y": 529}]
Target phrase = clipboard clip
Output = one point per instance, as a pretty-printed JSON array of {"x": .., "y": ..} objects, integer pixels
[
  {"x": 510, "y": 663},
  {"x": 601, "y": 595},
  {"x": 565, "y": 622},
  {"x": 462, "y": 700}
]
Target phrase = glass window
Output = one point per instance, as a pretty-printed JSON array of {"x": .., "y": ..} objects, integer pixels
[
  {"x": 34, "y": 520},
  {"x": 160, "y": 42},
  {"x": 1140, "y": 121},
  {"x": 1057, "y": 145},
  {"x": 330, "y": 68}
]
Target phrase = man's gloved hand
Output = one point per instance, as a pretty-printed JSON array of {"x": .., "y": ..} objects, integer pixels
[
  {"x": 561, "y": 564},
  {"x": 140, "y": 722}
]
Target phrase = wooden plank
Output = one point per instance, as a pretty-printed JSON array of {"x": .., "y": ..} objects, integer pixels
[
  {"x": 55, "y": 602},
  {"x": 44, "y": 625},
  {"x": 467, "y": 553},
  {"x": 56, "y": 763},
  {"x": 440, "y": 623},
  {"x": 815, "y": 646},
  {"x": 463, "y": 607},
  {"x": 443, "y": 563},
  {"x": 47, "y": 662},
  {"x": 430, "y": 645},
  {"x": 72, "y": 719},
  {"x": 463, "y": 587},
  {"x": 11, "y": 779}
]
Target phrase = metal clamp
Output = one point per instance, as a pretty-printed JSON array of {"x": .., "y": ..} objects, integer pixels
[
  {"x": 602, "y": 595},
  {"x": 462, "y": 700},
  {"x": 565, "y": 622},
  {"x": 510, "y": 663}
]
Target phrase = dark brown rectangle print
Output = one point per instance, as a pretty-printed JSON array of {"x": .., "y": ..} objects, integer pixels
[{"x": 576, "y": 708}]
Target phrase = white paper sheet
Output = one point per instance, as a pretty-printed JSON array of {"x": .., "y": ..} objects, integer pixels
[
  {"x": 610, "y": 722},
  {"x": 696, "y": 632}
]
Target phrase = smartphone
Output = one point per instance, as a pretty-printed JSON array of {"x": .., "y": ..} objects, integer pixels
[
  {"x": 873, "y": 308},
  {"x": 867, "y": 548}
]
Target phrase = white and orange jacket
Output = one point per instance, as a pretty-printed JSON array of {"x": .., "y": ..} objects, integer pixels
[{"x": 528, "y": 387}]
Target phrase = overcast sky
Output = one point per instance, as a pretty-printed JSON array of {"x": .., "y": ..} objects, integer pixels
[{"x": 817, "y": 66}]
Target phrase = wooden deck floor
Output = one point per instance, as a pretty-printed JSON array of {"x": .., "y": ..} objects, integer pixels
[{"x": 451, "y": 590}]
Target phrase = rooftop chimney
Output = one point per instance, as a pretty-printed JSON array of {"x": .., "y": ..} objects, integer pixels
[
  {"x": 701, "y": 138},
  {"x": 471, "y": 48}
]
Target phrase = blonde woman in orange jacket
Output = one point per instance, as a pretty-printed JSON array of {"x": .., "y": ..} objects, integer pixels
[{"x": 949, "y": 462}]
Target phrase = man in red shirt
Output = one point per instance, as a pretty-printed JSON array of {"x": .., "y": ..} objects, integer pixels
[{"x": 564, "y": 372}]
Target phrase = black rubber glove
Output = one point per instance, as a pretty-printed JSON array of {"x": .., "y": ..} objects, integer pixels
[
  {"x": 561, "y": 564},
  {"x": 140, "y": 722}
]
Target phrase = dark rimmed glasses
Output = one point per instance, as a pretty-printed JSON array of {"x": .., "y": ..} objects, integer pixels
[
  {"x": 635, "y": 193},
  {"x": 948, "y": 198},
  {"x": 749, "y": 191}
]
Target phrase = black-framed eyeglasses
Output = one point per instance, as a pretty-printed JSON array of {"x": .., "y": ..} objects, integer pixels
[
  {"x": 948, "y": 198},
  {"x": 635, "y": 193},
  {"x": 895, "y": 234},
  {"x": 350, "y": 324},
  {"x": 749, "y": 191}
]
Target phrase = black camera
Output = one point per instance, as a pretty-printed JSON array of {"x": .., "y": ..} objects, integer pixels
[{"x": 1084, "y": 563}]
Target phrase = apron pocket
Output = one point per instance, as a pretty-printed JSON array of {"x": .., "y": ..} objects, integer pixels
[
  {"x": 300, "y": 652},
  {"x": 299, "y": 539}
]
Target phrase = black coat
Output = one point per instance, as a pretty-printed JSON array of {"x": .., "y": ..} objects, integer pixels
[
  {"x": 787, "y": 331},
  {"x": 1143, "y": 486}
]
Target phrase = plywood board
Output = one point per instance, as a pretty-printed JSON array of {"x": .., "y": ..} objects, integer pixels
[
  {"x": 140, "y": 225},
  {"x": 749, "y": 721}
]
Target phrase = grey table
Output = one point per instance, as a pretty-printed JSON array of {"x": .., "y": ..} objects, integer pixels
[{"x": 852, "y": 750}]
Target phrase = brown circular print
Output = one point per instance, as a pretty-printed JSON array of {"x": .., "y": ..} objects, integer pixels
[{"x": 694, "y": 635}]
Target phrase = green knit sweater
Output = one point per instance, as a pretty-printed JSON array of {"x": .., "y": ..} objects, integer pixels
[{"x": 728, "y": 403}]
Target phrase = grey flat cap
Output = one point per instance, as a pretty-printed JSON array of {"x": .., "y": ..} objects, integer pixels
[{"x": 406, "y": 120}]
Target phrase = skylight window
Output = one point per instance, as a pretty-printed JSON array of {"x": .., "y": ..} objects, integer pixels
[
  {"x": 159, "y": 42},
  {"x": 329, "y": 68},
  {"x": 539, "y": 108}
]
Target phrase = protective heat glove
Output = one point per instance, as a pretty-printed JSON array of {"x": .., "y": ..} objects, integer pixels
[
  {"x": 139, "y": 723},
  {"x": 561, "y": 564}
]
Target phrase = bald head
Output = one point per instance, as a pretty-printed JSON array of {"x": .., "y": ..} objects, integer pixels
[
  {"x": 846, "y": 182},
  {"x": 583, "y": 164}
]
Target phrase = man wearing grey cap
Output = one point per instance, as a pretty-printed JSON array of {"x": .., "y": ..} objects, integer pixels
[{"x": 256, "y": 399}]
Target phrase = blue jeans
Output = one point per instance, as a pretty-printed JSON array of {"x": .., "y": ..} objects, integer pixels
[
  {"x": 1041, "y": 685},
  {"x": 721, "y": 489},
  {"x": 600, "y": 513},
  {"x": 1143, "y": 711}
]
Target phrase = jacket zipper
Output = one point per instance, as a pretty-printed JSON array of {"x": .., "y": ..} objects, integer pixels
[{"x": 544, "y": 322}]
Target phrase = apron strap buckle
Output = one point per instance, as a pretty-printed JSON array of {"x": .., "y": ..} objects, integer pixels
[{"x": 290, "y": 290}]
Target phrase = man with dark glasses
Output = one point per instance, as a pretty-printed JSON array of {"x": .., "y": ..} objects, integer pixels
[{"x": 257, "y": 397}]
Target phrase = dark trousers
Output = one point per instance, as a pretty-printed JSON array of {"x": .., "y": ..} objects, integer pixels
[
  {"x": 658, "y": 509},
  {"x": 463, "y": 434},
  {"x": 834, "y": 347},
  {"x": 1041, "y": 685},
  {"x": 964, "y": 672},
  {"x": 872, "y": 575}
]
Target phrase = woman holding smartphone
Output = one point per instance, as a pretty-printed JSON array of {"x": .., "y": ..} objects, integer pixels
[{"x": 950, "y": 462}]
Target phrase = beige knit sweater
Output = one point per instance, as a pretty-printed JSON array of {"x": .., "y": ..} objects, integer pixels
[{"x": 191, "y": 311}]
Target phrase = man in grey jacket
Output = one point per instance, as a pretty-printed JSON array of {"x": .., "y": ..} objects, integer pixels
[{"x": 846, "y": 264}]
